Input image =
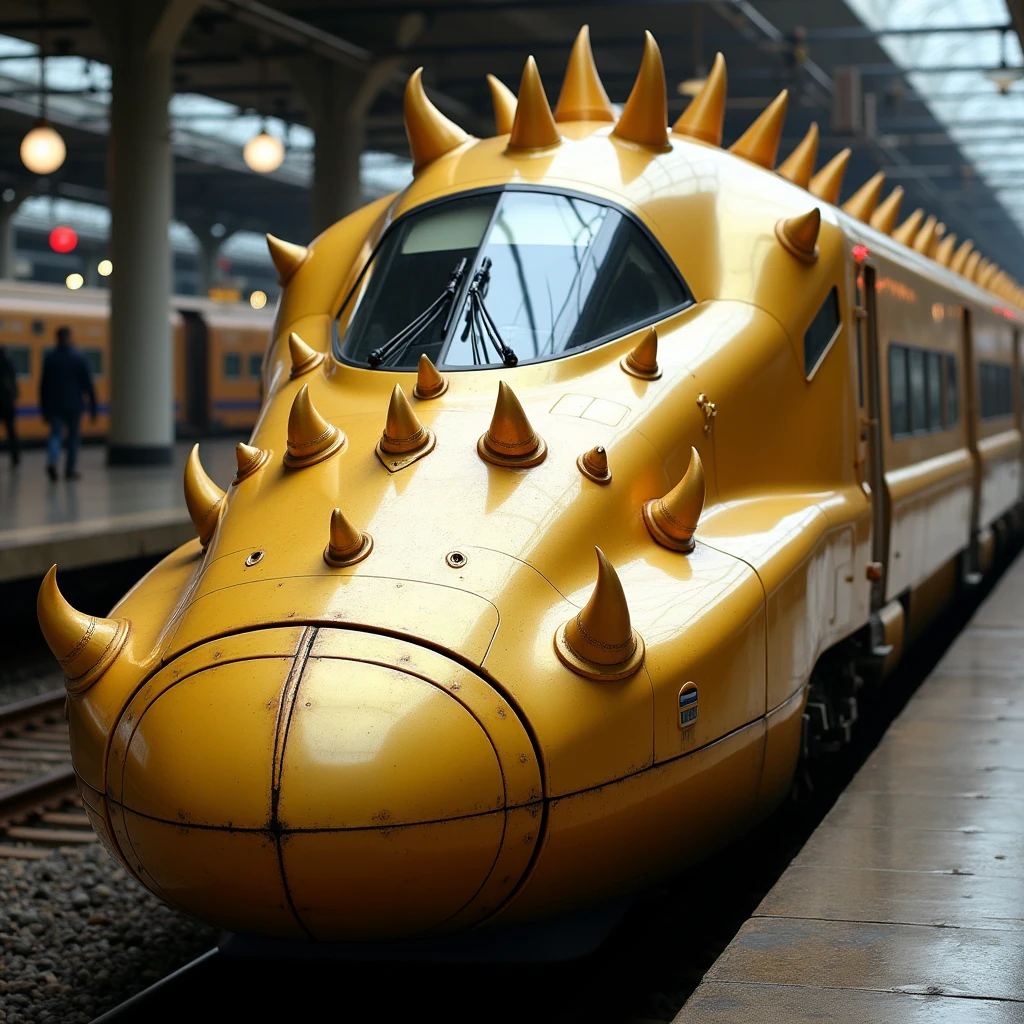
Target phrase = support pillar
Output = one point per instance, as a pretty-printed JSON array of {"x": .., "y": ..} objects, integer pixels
[
  {"x": 140, "y": 40},
  {"x": 338, "y": 99},
  {"x": 8, "y": 208},
  {"x": 210, "y": 246}
]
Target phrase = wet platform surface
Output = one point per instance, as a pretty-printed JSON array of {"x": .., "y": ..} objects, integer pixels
[
  {"x": 907, "y": 903},
  {"x": 109, "y": 515}
]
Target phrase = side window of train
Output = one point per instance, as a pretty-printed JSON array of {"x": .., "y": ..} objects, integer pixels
[
  {"x": 21, "y": 358},
  {"x": 94, "y": 357},
  {"x": 232, "y": 366},
  {"x": 255, "y": 364},
  {"x": 952, "y": 392},
  {"x": 823, "y": 330},
  {"x": 995, "y": 382},
  {"x": 899, "y": 408},
  {"x": 923, "y": 391}
]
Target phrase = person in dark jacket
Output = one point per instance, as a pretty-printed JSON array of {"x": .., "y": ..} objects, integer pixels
[
  {"x": 66, "y": 384},
  {"x": 8, "y": 402}
]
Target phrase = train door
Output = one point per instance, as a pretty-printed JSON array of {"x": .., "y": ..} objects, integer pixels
[
  {"x": 197, "y": 372},
  {"x": 873, "y": 473},
  {"x": 970, "y": 407}
]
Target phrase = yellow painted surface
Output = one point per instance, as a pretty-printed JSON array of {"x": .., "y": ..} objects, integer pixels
[{"x": 397, "y": 742}]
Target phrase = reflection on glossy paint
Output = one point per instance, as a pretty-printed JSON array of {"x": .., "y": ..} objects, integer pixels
[{"x": 897, "y": 289}]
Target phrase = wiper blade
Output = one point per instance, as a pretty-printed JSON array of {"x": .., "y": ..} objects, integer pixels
[
  {"x": 397, "y": 345},
  {"x": 480, "y": 326}
]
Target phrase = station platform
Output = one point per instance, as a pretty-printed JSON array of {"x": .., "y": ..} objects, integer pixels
[
  {"x": 111, "y": 514},
  {"x": 907, "y": 903}
]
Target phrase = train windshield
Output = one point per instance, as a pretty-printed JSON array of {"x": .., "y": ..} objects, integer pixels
[{"x": 501, "y": 278}]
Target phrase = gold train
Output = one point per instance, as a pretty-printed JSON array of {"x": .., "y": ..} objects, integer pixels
[{"x": 598, "y": 469}]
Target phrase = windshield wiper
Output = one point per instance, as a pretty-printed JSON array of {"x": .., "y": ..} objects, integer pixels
[
  {"x": 480, "y": 327},
  {"x": 407, "y": 335}
]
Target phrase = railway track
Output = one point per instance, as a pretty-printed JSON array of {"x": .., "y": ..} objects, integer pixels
[{"x": 39, "y": 805}]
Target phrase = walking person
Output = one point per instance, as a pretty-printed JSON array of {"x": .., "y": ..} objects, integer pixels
[
  {"x": 66, "y": 384},
  {"x": 8, "y": 404}
]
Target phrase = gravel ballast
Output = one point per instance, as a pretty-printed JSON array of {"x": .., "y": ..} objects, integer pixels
[{"x": 79, "y": 935}]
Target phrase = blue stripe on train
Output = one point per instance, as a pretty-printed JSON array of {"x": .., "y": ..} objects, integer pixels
[
  {"x": 235, "y": 404},
  {"x": 33, "y": 410}
]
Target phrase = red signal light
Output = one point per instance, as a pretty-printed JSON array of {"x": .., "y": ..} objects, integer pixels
[
  {"x": 860, "y": 253},
  {"x": 63, "y": 239}
]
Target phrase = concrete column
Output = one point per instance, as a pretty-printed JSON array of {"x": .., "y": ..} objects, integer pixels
[
  {"x": 338, "y": 99},
  {"x": 140, "y": 40},
  {"x": 8, "y": 208},
  {"x": 209, "y": 252}
]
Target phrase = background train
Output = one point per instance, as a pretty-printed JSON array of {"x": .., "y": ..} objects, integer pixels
[{"x": 218, "y": 354}]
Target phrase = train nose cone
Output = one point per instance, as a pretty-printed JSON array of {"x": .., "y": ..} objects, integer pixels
[{"x": 349, "y": 790}]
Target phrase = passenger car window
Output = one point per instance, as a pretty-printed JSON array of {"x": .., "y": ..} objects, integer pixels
[
  {"x": 824, "y": 327},
  {"x": 232, "y": 366},
  {"x": 94, "y": 357},
  {"x": 21, "y": 359},
  {"x": 996, "y": 387},
  {"x": 555, "y": 273},
  {"x": 899, "y": 410},
  {"x": 918, "y": 392},
  {"x": 934, "y": 390},
  {"x": 255, "y": 364},
  {"x": 952, "y": 392}
]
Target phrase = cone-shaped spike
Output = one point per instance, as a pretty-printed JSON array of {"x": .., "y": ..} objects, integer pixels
[
  {"x": 907, "y": 231},
  {"x": 760, "y": 142},
  {"x": 594, "y": 465},
  {"x": 986, "y": 276},
  {"x": 799, "y": 165},
  {"x": 923, "y": 239},
  {"x": 583, "y": 97},
  {"x": 672, "y": 520},
  {"x": 702, "y": 119},
  {"x": 430, "y": 133},
  {"x": 944, "y": 252},
  {"x": 940, "y": 232},
  {"x": 430, "y": 383},
  {"x": 248, "y": 459},
  {"x": 642, "y": 360},
  {"x": 863, "y": 202},
  {"x": 645, "y": 116},
  {"x": 972, "y": 264},
  {"x": 346, "y": 545},
  {"x": 884, "y": 218},
  {"x": 600, "y": 642},
  {"x": 828, "y": 182},
  {"x": 799, "y": 235},
  {"x": 304, "y": 358},
  {"x": 287, "y": 257},
  {"x": 504, "y": 101},
  {"x": 310, "y": 437},
  {"x": 403, "y": 431},
  {"x": 205, "y": 500},
  {"x": 534, "y": 124},
  {"x": 84, "y": 645},
  {"x": 510, "y": 439},
  {"x": 960, "y": 257}
]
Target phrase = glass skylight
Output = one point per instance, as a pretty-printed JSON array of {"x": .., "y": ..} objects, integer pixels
[{"x": 987, "y": 123}]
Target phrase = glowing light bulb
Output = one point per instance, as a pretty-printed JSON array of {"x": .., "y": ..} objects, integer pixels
[
  {"x": 42, "y": 149},
  {"x": 74, "y": 281},
  {"x": 263, "y": 153},
  {"x": 105, "y": 268},
  {"x": 258, "y": 299}
]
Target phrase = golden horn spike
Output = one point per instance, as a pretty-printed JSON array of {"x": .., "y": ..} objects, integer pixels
[
  {"x": 430, "y": 382},
  {"x": 799, "y": 235},
  {"x": 959, "y": 259},
  {"x": 760, "y": 142},
  {"x": 944, "y": 251},
  {"x": 702, "y": 119},
  {"x": 84, "y": 645},
  {"x": 828, "y": 182},
  {"x": 503, "y": 100},
  {"x": 644, "y": 118},
  {"x": 988, "y": 275},
  {"x": 534, "y": 125},
  {"x": 971, "y": 265},
  {"x": 583, "y": 97},
  {"x": 979, "y": 269},
  {"x": 923, "y": 239},
  {"x": 346, "y": 545},
  {"x": 304, "y": 358},
  {"x": 642, "y": 360},
  {"x": 287, "y": 257},
  {"x": 907, "y": 231},
  {"x": 672, "y": 520},
  {"x": 510, "y": 439},
  {"x": 430, "y": 133},
  {"x": 799, "y": 165},
  {"x": 311, "y": 438},
  {"x": 248, "y": 459},
  {"x": 594, "y": 465},
  {"x": 600, "y": 642},
  {"x": 204, "y": 499},
  {"x": 884, "y": 218},
  {"x": 863, "y": 202},
  {"x": 403, "y": 431}
]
